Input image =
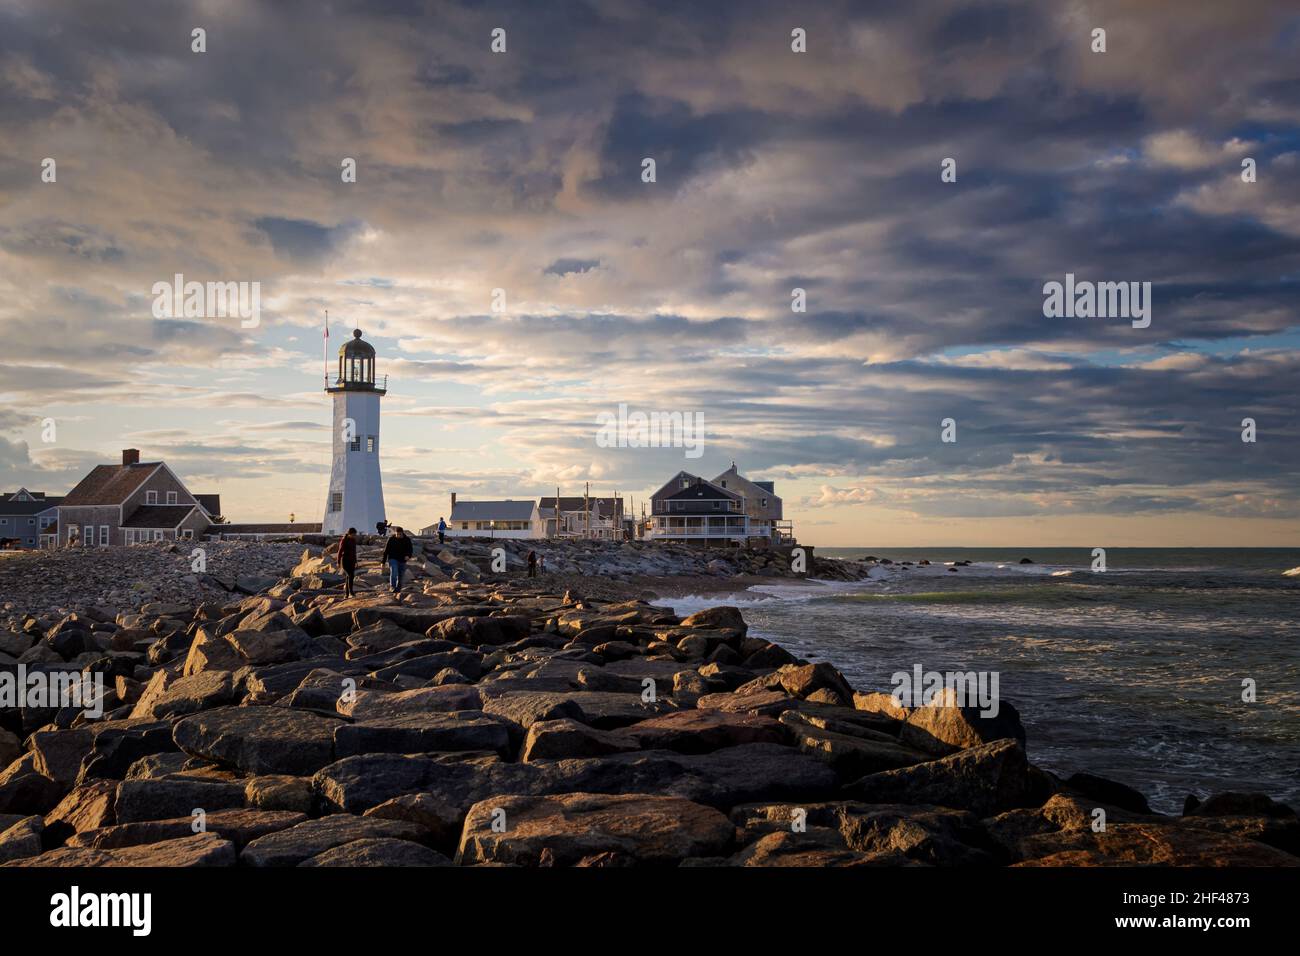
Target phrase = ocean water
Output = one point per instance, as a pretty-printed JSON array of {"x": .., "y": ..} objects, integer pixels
[{"x": 1135, "y": 673}]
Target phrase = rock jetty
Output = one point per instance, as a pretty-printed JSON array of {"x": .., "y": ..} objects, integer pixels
[{"x": 482, "y": 719}]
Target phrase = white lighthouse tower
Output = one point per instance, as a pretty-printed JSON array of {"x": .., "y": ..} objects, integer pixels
[{"x": 356, "y": 495}]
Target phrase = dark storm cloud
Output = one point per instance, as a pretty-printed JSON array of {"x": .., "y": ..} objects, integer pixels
[{"x": 774, "y": 170}]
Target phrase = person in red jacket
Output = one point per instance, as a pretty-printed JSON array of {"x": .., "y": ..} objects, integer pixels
[{"x": 346, "y": 556}]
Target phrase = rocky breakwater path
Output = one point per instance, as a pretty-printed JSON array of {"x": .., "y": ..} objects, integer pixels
[
  {"x": 634, "y": 561},
  {"x": 489, "y": 723}
]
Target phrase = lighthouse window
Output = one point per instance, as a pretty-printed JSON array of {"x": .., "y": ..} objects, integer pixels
[
  {"x": 336, "y": 501},
  {"x": 356, "y": 444},
  {"x": 370, "y": 444}
]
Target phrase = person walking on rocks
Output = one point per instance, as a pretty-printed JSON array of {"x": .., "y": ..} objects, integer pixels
[
  {"x": 532, "y": 564},
  {"x": 541, "y": 564},
  {"x": 346, "y": 556},
  {"x": 442, "y": 530},
  {"x": 396, "y": 552}
]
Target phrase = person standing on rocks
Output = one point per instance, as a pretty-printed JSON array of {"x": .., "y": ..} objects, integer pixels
[
  {"x": 346, "y": 557},
  {"x": 442, "y": 529},
  {"x": 396, "y": 552},
  {"x": 532, "y": 564}
]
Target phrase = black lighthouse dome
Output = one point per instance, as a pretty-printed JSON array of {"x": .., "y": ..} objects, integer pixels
[{"x": 356, "y": 363}]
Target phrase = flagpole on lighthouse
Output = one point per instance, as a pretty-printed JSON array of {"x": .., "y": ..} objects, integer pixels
[{"x": 325, "y": 349}]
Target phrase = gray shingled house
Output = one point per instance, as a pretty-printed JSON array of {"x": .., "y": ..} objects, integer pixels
[{"x": 132, "y": 503}]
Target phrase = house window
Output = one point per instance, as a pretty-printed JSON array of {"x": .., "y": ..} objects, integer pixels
[
  {"x": 722, "y": 484},
  {"x": 103, "y": 535},
  {"x": 45, "y": 522},
  {"x": 764, "y": 500},
  {"x": 4, "y": 520},
  {"x": 157, "y": 535},
  {"x": 171, "y": 497},
  {"x": 88, "y": 538},
  {"x": 151, "y": 497},
  {"x": 72, "y": 536},
  {"x": 717, "y": 505},
  {"x": 129, "y": 535},
  {"x": 188, "y": 534},
  {"x": 370, "y": 443},
  {"x": 336, "y": 501},
  {"x": 31, "y": 521}
]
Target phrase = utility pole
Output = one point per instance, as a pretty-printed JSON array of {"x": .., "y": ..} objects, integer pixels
[{"x": 586, "y": 510}]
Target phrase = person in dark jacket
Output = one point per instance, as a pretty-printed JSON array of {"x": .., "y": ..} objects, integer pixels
[
  {"x": 397, "y": 550},
  {"x": 442, "y": 530},
  {"x": 346, "y": 556},
  {"x": 532, "y": 564}
]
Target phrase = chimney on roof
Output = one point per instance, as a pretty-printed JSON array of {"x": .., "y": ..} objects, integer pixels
[
  {"x": 130, "y": 456},
  {"x": 453, "y": 500}
]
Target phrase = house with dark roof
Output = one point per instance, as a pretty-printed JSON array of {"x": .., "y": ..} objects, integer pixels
[
  {"x": 25, "y": 516},
  {"x": 493, "y": 519},
  {"x": 731, "y": 510},
  {"x": 132, "y": 503},
  {"x": 762, "y": 504}
]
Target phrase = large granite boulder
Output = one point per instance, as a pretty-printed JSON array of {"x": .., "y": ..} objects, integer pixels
[
  {"x": 260, "y": 740},
  {"x": 987, "y": 779},
  {"x": 565, "y": 829}
]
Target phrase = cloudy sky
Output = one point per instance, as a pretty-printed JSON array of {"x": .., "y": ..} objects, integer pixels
[{"x": 775, "y": 170}]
